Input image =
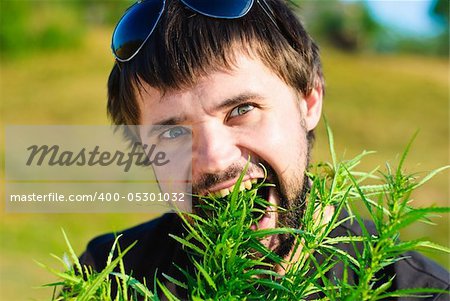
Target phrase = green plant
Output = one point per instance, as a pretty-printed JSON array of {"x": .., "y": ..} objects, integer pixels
[
  {"x": 80, "y": 282},
  {"x": 230, "y": 263}
]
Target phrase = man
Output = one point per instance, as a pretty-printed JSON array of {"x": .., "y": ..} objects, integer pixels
[{"x": 239, "y": 80}]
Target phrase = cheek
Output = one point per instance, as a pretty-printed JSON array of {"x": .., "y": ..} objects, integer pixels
[
  {"x": 177, "y": 168},
  {"x": 282, "y": 144},
  {"x": 284, "y": 147},
  {"x": 173, "y": 169}
]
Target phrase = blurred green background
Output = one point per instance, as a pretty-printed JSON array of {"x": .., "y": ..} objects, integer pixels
[{"x": 382, "y": 86}]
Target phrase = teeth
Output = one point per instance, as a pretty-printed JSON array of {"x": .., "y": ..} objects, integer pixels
[
  {"x": 247, "y": 184},
  {"x": 226, "y": 191}
]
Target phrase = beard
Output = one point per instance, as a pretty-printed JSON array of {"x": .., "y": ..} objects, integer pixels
[
  {"x": 295, "y": 203},
  {"x": 291, "y": 196}
]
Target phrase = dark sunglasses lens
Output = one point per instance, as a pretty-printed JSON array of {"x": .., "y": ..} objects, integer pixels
[
  {"x": 227, "y": 9},
  {"x": 135, "y": 27}
]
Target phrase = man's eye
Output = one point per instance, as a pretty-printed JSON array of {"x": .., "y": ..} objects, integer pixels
[
  {"x": 174, "y": 132},
  {"x": 241, "y": 110}
]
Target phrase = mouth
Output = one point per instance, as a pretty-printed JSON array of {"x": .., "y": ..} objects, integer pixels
[
  {"x": 245, "y": 185},
  {"x": 264, "y": 207},
  {"x": 264, "y": 202}
]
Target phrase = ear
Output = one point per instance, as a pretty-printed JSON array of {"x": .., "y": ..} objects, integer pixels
[{"x": 312, "y": 107}]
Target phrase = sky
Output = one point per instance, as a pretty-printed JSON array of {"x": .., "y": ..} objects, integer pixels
[{"x": 410, "y": 17}]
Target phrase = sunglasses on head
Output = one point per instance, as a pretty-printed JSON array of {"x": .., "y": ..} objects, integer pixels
[{"x": 140, "y": 20}]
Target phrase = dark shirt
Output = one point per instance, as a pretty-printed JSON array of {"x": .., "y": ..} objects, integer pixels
[{"x": 156, "y": 252}]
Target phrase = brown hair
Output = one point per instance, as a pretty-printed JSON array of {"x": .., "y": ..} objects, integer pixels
[{"x": 186, "y": 46}]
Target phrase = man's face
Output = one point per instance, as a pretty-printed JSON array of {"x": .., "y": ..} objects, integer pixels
[{"x": 230, "y": 116}]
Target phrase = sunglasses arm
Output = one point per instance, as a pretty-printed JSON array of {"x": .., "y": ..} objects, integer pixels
[{"x": 266, "y": 8}]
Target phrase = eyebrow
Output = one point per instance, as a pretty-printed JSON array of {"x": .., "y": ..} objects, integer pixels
[
  {"x": 237, "y": 100},
  {"x": 227, "y": 103}
]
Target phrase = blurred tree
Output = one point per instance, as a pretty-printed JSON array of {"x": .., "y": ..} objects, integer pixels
[
  {"x": 441, "y": 10},
  {"x": 27, "y": 26},
  {"x": 346, "y": 25},
  {"x": 102, "y": 12},
  {"x": 30, "y": 26},
  {"x": 13, "y": 33}
]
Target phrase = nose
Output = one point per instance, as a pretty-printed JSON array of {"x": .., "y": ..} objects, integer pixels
[{"x": 214, "y": 149}]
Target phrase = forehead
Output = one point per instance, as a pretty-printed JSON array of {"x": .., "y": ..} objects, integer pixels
[{"x": 248, "y": 77}]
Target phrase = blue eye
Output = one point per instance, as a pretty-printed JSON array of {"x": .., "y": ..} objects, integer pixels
[
  {"x": 241, "y": 110},
  {"x": 174, "y": 132}
]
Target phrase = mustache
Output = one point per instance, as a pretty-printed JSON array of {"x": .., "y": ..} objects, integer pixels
[{"x": 209, "y": 180}]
